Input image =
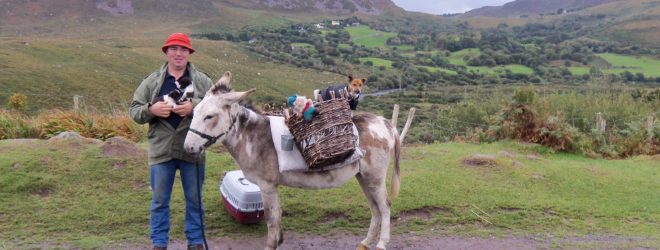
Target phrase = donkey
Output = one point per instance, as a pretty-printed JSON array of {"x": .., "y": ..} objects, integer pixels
[{"x": 246, "y": 135}]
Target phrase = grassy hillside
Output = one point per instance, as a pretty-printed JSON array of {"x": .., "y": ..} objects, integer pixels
[
  {"x": 630, "y": 20},
  {"x": 530, "y": 7},
  {"x": 80, "y": 197},
  {"x": 107, "y": 71}
]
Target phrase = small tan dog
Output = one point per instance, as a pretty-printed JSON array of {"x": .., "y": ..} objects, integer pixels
[{"x": 353, "y": 88}]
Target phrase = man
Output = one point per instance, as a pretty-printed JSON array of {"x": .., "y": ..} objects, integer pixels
[{"x": 168, "y": 126}]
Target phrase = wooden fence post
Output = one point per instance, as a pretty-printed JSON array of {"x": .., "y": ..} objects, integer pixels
[
  {"x": 650, "y": 120},
  {"x": 600, "y": 122},
  {"x": 395, "y": 115},
  {"x": 76, "y": 103}
]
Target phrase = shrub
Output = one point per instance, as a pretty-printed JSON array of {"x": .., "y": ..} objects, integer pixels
[
  {"x": 516, "y": 121},
  {"x": 637, "y": 139},
  {"x": 17, "y": 101},
  {"x": 519, "y": 121},
  {"x": 16, "y": 125},
  {"x": 555, "y": 133},
  {"x": 97, "y": 126},
  {"x": 524, "y": 95}
]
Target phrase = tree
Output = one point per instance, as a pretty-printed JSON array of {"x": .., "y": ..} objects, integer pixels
[{"x": 627, "y": 76}]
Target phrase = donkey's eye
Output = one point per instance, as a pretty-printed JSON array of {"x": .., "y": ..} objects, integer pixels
[{"x": 208, "y": 117}]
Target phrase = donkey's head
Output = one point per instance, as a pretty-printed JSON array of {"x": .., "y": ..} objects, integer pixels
[{"x": 214, "y": 116}]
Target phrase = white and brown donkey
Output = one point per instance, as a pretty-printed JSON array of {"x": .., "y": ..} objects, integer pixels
[{"x": 246, "y": 135}]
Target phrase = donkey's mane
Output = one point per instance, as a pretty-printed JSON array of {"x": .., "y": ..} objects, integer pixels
[
  {"x": 220, "y": 88},
  {"x": 248, "y": 105}
]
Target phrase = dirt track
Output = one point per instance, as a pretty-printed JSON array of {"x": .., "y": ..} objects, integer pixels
[{"x": 293, "y": 241}]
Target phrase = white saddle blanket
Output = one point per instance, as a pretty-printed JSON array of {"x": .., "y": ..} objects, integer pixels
[{"x": 293, "y": 160}]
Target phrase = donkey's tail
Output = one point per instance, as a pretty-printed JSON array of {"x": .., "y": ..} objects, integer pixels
[{"x": 398, "y": 143}]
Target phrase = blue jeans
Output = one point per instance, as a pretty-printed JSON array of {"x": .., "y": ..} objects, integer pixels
[{"x": 162, "y": 180}]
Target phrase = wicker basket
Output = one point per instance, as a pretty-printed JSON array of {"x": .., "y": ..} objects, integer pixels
[{"x": 329, "y": 137}]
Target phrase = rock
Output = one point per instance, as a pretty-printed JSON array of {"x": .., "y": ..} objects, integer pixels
[
  {"x": 120, "y": 146},
  {"x": 506, "y": 154},
  {"x": 517, "y": 164},
  {"x": 534, "y": 157},
  {"x": 67, "y": 135},
  {"x": 480, "y": 160}
]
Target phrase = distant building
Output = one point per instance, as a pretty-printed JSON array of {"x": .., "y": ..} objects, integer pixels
[
  {"x": 355, "y": 24},
  {"x": 335, "y": 23},
  {"x": 319, "y": 26}
]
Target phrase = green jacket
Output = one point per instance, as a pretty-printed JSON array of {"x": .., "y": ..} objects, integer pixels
[{"x": 165, "y": 141}]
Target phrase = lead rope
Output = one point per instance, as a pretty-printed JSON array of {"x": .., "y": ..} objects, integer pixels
[{"x": 199, "y": 199}]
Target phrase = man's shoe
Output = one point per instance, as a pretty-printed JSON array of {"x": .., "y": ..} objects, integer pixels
[
  {"x": 159, "y": 248},
  {"x": 196, "y": 247}
]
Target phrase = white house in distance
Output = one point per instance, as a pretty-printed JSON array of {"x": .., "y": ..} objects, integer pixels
[
  {"x": 335, "y": 23},
  {"x": 319, "y": 26}
]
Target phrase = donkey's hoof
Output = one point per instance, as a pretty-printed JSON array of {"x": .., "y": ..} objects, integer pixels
[{"x": 362, "y": 247}]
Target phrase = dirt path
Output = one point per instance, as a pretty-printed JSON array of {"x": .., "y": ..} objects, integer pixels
[{"x": 294, "y": 241}]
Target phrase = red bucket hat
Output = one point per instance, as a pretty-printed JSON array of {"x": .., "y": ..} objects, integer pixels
[{"x": 180, "y": 39}]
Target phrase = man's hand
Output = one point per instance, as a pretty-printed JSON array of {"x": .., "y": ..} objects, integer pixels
[
  {"x": 184, "y": 109},
  {"x": 160, "y": 109}
]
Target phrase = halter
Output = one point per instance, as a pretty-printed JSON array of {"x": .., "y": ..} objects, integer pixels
[{"x": 212, "y": 139}]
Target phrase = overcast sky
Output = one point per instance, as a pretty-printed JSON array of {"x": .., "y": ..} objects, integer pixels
[{"x": 446, "y": 6}]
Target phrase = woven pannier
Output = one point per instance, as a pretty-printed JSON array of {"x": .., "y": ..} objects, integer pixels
[{"x": 328, "y": 138}]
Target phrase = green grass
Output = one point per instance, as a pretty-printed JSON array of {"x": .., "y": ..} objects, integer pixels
[
  {"x": 363, "y": 35},
  {"x": 456, "y": 57},
  {"x": 482, "y": 69},
  {"x": 377, "y": 62},
  {"x": 515, "y": 68},
  {"x": 306, "y": 46},
  {"x": 344, "y": 46},
  {"x": 519, "y": 69},
  {"x": 620, "y": 63},
  {"x": 403, "y": 47},
  {"x": 303, "y": 45},
  {"x": 579, "y": 70},
  {"x": 436, "y": 69},
  {"x": 79, "y": 198}
]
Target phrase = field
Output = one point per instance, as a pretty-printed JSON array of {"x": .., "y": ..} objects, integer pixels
[
  {"x": 435, "y": 69},
  {"x": 456, "y": 58},
  {"x": 377, "y": 62},
  {"x": 363, "y": 35},
  {"x": 620, "y": 63},
  {"x": 81, "y": 196},
  {"x": 579, "y": 70}
]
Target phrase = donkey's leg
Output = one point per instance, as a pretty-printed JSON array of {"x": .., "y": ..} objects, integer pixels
[
  {"x": 375, "y": 214},
  {"x": 273, "y": 213},
  {"x": 373, "y": 179},
  {"x": 384, "y": 207}
]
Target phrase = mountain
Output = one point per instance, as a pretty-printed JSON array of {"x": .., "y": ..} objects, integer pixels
[
  {"x": 328, "y": 6},
  {"x": 14, "y": 12},
  {"x": 19, "y": 11},
  {"x": 534, "y": 8}
]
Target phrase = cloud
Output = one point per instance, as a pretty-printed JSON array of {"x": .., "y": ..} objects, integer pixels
[{"x": 446, "y": 6}]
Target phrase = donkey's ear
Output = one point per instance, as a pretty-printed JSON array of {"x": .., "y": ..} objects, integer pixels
[
  {"x": 223, "y": 85},
  {"x": 237, "y": 96},
  {"x": 225, "y": 79}
]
